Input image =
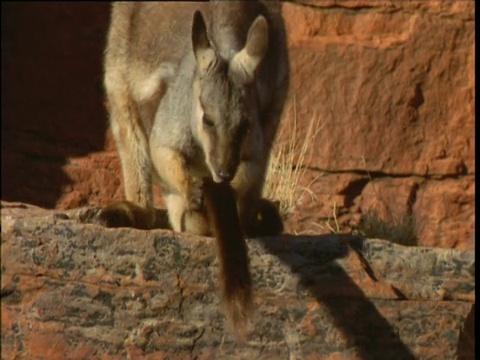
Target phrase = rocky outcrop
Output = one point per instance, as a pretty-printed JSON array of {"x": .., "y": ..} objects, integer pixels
[
  {"x": 391, "y": 84},
  {"x": 76, "y": 290}
]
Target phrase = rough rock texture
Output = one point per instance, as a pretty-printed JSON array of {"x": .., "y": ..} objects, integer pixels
[
  {"x": 79, "y": 291},
  {"x": 391, "y": 84}
]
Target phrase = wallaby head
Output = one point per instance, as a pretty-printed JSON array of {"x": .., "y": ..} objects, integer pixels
[{"x": 225, "y": 107}]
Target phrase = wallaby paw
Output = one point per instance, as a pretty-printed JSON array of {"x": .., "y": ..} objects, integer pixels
[
  {"x": 196, "y": 222},
  {"x": 195, "y": 194},
  {"x": 126, "y": 214},
  {"x": 267, "y": 222}
]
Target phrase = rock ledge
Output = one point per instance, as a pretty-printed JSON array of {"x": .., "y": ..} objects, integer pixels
[{"x": 75, "y": 290}]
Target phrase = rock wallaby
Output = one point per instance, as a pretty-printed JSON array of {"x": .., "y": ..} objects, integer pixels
[{"x": 195, "y": 92}]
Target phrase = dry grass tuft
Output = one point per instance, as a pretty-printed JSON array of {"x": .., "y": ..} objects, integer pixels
[
  {"x": 288, "y": 162},
  {"x": 399, "y": 230}
]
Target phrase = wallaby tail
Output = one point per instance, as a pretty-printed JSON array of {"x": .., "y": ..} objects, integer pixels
[{"x": 235, "y": 279}]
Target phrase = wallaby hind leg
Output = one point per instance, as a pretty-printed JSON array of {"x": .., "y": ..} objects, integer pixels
[
  {"x": 132, "y": 148},
  {"x": 258, "y": 216}
]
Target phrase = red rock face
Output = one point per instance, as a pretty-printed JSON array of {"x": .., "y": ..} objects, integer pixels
[
  {"x": 391, "y": 84},
  {"x": 392, "y": 87}
]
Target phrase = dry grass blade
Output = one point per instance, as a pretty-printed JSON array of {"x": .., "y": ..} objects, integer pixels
[
  {"x": 288, "y": 162},
  {"x": 333, "y": 230}
]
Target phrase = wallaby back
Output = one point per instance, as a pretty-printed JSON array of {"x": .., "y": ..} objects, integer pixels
[{"x": 195, "y": 92}]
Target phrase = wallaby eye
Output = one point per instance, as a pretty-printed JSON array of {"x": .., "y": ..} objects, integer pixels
[{"x": 207, "y": 122}]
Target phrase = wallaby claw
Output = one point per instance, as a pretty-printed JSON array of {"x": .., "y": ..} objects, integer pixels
[{"x": 195, "y": 194}]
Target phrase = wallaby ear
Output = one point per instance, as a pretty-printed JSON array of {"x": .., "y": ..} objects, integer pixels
[
  {"x": 245, "y": 62},
  {"x": 202, "y": 49}
]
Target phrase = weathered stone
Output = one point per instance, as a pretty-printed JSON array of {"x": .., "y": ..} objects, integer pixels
[
  {"x": 377, "y": 78},
  {"x": 392, "y": 84},
  {"x": 75, "y": 290}
]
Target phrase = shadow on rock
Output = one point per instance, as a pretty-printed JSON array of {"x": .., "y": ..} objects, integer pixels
[{"x": 353, "y": 313}]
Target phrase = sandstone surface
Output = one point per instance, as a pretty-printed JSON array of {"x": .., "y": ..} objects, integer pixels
[
  {"x": 75, "y": 290},
  {"x": 391, "y": 85}
]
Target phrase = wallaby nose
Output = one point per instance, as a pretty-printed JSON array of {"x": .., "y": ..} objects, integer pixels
[{"x": 225, "y": 175}]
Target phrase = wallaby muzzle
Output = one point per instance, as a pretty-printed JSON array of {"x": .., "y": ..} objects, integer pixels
[{"x": 224, "y": 160}]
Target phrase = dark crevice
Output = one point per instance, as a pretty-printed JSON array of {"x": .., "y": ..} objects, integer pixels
[
  {"x": 412, "y": 197},
  {"x": 417, "y": 100},
  {"x": 195, "y": 340},
  {"x": 335, "y": 6},
  {"x": 379, "y": 174}
]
